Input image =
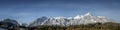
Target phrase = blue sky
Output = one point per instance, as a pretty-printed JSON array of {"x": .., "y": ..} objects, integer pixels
[{"x": 26, "y": 11}]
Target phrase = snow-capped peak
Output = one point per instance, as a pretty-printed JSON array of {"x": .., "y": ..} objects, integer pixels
[
  {"x": 59, "y": 17},
  {"x": 88, "y": 14},
  {"x": 70, "y": 18},
  {"x": 77, "y": 17}
]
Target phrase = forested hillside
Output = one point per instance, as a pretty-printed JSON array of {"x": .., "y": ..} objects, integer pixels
[{"x": 96, "y": 26}]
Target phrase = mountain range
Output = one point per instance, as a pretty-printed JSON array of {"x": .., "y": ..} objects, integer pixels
[{"x": 77, "y": 20}]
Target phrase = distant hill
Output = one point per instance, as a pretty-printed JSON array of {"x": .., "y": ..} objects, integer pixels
[{"x": 9, "y": 24}]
